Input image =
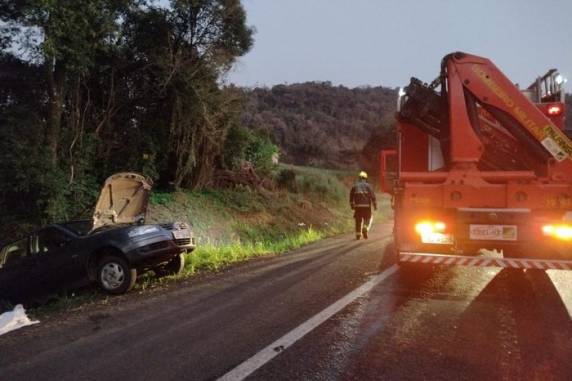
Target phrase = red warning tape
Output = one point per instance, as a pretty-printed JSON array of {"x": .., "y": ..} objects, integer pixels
[{"x": 458, "y": 260}]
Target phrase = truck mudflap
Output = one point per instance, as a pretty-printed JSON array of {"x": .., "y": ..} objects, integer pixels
[{"x": 482, "y": 261}]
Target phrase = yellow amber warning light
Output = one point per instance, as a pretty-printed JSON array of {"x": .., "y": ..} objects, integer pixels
[
  {"x": 560, "y": 231},
  {"x": 433, "y": 232},
  {"x": 428, "y": 227}
]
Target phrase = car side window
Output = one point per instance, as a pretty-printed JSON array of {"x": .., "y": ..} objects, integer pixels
[
  {"x": 13, "y": 254},
  {"x": 48, "y": 241}
]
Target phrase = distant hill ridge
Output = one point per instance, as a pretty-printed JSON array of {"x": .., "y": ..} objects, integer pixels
[{"x": 318, "y": 124}]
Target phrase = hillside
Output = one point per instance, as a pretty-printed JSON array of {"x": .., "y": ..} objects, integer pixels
[
  {"x": 318, "y": 124},
  {"x": 301, "y": 198}
]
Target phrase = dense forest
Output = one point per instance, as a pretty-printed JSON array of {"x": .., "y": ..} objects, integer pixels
[
  {"x": 92, "y": 87},
  {"x": 322, "y": 125}
]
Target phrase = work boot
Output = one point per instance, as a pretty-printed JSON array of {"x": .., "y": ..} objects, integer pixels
[{"x": 364, "y": 232}]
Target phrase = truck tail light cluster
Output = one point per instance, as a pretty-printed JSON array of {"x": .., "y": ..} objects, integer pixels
[
  {"x": 559, "y": 231},
  {"x": 554, "y": 110},
  {"x": 429, "y": 227},
  {"x": 433, "y": 232}
]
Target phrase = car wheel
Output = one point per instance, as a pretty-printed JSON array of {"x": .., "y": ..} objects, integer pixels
[
  {"x": 173, "y": 267},
  {"x": 115, "y": 276}
]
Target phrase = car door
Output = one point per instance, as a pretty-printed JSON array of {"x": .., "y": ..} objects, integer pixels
[
  {"x": 55, "y": 259},
  {"x": 16, "y": 280}
]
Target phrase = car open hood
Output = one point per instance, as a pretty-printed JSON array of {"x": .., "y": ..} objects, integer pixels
[{"x": 123, "y": 200}]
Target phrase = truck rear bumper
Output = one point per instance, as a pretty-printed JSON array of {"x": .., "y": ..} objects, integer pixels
[
  {"x": 518, "y": 233},
  {"x": 483, "y": 261}
]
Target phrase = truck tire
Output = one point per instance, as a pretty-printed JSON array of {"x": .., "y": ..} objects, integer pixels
[
  {"x": 115, "y": 276},
  {"x": 173, "y": 267}
]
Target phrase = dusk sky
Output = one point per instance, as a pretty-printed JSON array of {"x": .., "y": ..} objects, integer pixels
[{"x": 382, "y": 42}]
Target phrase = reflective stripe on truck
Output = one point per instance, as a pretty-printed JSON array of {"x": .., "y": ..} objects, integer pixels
[{"x": 459, "y": 260}]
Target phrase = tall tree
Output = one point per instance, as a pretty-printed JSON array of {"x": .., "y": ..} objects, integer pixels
[
  {"x": 117, "y": 85},
  {"x": 182, "y": 52},
  {"x": 70, "y": 33}
]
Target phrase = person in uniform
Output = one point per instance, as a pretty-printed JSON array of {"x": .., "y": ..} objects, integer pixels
[{"x": 362, "y": 199}]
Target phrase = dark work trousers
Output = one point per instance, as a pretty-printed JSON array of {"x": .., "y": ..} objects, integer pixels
[{"x": 363, "y": 219}]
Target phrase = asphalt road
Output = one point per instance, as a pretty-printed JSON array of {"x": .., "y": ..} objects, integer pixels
[{"x": 445, "y": 323}]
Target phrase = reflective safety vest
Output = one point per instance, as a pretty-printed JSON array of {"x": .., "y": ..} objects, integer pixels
[{"x": 362, "y": 196}]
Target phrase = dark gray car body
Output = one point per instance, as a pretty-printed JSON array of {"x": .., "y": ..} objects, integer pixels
[{"x": 72, "y": 259}]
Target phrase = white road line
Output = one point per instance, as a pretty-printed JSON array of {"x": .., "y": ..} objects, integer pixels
[{"x": 258, "y": 360}]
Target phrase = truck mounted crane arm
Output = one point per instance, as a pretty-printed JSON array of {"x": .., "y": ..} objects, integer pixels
[{"x": 489, "y": 114}]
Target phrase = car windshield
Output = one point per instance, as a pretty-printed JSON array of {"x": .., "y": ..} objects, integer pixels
[{"x": 80, "y": 228}]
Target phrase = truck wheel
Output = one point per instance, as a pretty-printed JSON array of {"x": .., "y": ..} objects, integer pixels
[
  {"x": 115, "y": 276},
  {"x": 173, "y": 267}
]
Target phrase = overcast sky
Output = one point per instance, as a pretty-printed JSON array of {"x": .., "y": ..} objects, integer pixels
[{"x": 383, "y": 42}]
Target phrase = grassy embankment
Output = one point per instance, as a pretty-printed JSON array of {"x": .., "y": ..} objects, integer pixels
[{"x": 241, "y": 223}]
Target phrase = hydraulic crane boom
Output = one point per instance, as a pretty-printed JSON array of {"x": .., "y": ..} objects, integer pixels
[{"x": 472, "y": 86}]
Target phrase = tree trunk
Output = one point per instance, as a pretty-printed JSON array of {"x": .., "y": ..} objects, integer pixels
[{"x": 56, "y": 88}]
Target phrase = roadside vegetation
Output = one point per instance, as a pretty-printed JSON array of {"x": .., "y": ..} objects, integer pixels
[{"x": 95, "y": 87}]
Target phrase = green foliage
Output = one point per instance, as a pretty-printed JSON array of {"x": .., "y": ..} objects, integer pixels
[
  {"x": 286, "y": 178},
  {"x": 240, "y": 198},
  {"x": 235, "y": 147},
  {"x": 318, "y": 124},
  {"x": 161, "y": 198},
  {"x": 261, "y": 152},
  {"x": 114, "y": 85},
  {"x": 213, "y": 258},
  {"x": 74, "y": 30},
  {"x": 243, "y": 144},
  {"x": 325, "y": 185}
]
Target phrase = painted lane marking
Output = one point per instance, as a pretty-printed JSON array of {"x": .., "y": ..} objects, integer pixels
[{"x": 265, "y": 355}]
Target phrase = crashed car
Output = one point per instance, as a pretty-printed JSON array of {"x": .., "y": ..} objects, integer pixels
[{"x": 111, "y": 250}]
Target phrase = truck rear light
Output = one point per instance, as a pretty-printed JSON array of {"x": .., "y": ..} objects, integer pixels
[
  {"x": 560, "y": 231},
  {"x": 427, "y": 227},
  {"x": 433, "y": 232},
  {"x": 554, "y": 110}
]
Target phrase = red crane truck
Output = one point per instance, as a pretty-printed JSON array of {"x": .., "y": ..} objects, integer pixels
[{"x": 481, "y": 164}]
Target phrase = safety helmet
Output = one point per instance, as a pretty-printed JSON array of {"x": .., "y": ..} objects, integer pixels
[{"x": 363, "y": 175}]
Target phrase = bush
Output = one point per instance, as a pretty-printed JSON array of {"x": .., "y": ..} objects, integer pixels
[
  {"x": 260, "y": 152},
  {"x": 325, "y": 187},
  {"x": 286, "y": 179},
  {"x": 235, "y": 146},
  {"x": 161, "y": 198},
  {"x": 241, "y": 144}
]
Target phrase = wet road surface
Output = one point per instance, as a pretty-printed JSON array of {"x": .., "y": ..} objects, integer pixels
[{"x": 418, "y": 323}]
